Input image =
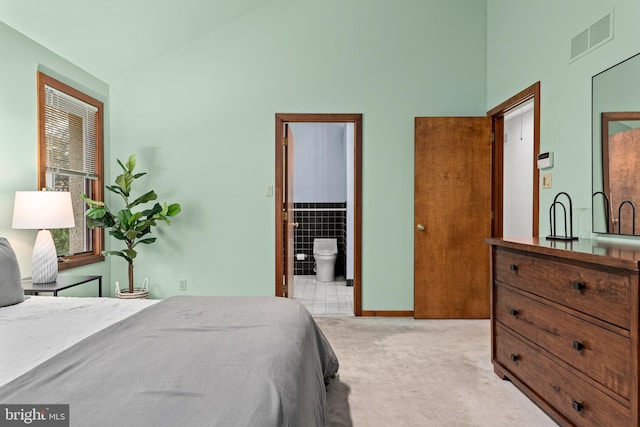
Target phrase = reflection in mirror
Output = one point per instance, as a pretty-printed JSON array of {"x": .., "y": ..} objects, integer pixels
[
  {"x": 620, "y": 165},
  {"x": 616, "y": 148}
]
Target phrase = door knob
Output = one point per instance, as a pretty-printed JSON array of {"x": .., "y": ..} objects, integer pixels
[
  {"x": 295, "y": 225},
  {"x": 420, "y": 227}
]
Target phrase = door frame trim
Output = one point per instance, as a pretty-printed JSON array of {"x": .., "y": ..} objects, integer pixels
[
  {"x": 497, "y": 113},
  {"x": 356, "y": 119}
]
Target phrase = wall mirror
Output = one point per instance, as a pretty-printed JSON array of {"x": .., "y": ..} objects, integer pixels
[{"x": 616, "y": 149}]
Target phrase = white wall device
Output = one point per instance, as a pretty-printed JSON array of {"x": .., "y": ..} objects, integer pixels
[{"x": 545, "y": 160}]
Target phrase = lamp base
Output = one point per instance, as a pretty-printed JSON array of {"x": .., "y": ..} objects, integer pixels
[{"x": 44, "y": 260}]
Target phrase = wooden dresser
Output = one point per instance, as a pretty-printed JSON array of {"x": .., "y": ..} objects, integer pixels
[{"x": 564, "y": 327}]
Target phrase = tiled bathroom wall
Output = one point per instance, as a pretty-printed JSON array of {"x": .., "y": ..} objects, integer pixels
[{"x": 322, "y": 220}]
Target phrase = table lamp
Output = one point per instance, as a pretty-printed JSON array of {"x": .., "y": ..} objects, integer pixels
[{"x": 43, "y": 210}]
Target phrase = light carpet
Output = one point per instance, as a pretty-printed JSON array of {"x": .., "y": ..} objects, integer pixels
[{"x": 406, "y": 372}]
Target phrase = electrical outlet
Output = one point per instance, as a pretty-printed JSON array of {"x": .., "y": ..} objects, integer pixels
[{"x": 182, "y": 285}]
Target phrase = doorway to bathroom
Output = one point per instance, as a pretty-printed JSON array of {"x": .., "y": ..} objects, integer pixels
[{"x": 318, "y": 194}]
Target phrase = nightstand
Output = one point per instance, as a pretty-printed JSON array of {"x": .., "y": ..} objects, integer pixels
[{"x": 63, "y": 282}]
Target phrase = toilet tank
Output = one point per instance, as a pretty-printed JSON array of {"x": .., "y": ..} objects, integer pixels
[{"x": 325, "y": 246}]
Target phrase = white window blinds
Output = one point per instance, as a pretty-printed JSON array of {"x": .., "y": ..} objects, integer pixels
[{"x": 70, "y": 135}]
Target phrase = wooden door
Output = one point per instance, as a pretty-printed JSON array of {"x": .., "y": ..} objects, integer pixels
[
  {"x": 289, "y": 220},
  {"x": 452, "y": 213}
]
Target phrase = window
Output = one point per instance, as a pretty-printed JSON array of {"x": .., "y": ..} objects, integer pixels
[{"x": 70, "y": 153}]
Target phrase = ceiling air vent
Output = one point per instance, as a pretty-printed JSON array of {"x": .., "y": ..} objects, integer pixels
[
  {"x": 580, "y": 44},
  {"x": 593, "y": 37},
  {"x": 600, "y": 31}
]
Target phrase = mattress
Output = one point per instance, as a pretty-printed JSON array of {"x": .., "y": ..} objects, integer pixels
[
  {"x": 196, "y": 361},
  {"x": 42, "y": 326}
]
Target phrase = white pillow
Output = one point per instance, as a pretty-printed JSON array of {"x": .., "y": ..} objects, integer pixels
[{"x": 11, "y": 291}]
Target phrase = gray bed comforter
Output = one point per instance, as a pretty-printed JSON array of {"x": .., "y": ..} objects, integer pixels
[{"x": 191, "y": 361}]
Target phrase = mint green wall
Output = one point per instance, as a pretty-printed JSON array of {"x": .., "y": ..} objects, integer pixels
[
  {"x": 21, "y": 59},
  {"x": 529, "y": 42},
  {"x": 201, "y": 121}
]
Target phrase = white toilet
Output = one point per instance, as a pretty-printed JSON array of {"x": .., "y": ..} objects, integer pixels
[{"x": 325, "y": 252}]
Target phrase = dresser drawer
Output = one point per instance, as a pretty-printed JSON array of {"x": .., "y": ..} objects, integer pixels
[
  {"x": 602, "y": 294},
  {"x": 578, "y": 401},
  {"x": 600, "y": 354}
]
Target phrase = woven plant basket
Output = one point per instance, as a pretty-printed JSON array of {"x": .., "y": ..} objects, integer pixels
[{"x": 138, "y": 293}]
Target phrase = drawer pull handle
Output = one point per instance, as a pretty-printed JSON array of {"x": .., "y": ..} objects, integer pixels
[
  {"x": 514, "y": 357},
  {"x": 579, "y": 286},
  {"x": 513, "y": 267},
  {"x": 577, "y": 345},
  {"x": 514, "y": 312},
  {"x": 578, "y": 406}
]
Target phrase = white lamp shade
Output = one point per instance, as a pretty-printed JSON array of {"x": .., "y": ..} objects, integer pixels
[{"x": 42, "y": 210}]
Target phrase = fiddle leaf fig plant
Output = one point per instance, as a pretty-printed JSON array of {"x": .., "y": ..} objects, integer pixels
[{"x": 133, "y": 227}]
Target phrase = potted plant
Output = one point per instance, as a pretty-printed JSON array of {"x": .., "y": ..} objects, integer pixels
[{"x": 132, "y": 227}]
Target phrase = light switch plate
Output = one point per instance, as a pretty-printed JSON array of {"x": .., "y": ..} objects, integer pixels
[{"x": 546, "y": 180}]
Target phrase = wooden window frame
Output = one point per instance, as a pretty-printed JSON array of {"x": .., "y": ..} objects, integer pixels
[{"x": 97, "y": 234}]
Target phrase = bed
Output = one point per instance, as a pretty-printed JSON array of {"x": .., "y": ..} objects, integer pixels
[{"x": 184, "y": 360}]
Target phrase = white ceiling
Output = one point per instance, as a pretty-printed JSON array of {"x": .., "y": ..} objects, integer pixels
[{"x": 110, "y": 37}]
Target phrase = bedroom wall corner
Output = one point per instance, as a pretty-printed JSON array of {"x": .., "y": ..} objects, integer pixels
[
  {"x": 538, "y": 48},
  {"x": 22, "y": 58}
]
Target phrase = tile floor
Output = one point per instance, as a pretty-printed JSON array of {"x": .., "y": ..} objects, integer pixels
[{"x": 324, "y": 299}]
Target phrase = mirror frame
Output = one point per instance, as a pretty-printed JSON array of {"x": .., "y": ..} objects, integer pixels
[{"x": 606, "y": 118}]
